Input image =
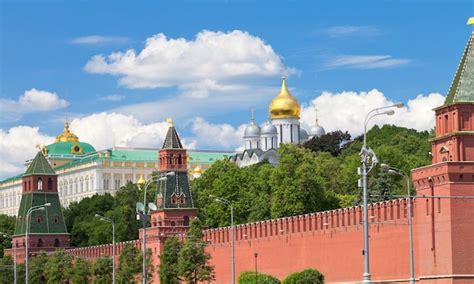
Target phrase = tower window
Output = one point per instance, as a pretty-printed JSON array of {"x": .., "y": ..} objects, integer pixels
[
  {"x": 40, "y": 243},
  {"x": 56, "y": 243},
  {"x": 38, "y": 219},
  {"x": 50, "y": 184},
  {"x": 56, "y": 219},
  {"x": 40, "y": 184}
]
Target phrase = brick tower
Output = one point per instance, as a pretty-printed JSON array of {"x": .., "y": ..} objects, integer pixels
[
  {"x": 445, "y": 234},
  {"x": 47, "y": 229}
]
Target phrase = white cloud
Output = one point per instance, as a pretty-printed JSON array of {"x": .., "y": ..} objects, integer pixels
[
  {"x": 112, "y": 98},
  {"x": 98, "y": 40},
  {"x": 104, "y": 130},
  {"x": 365, "y": 62},
  {"x": 217, "y": 135},
  {"x": 346, "y": 111},
  {"x": 348, "y": 30},
  {"x": 213, "y": 61},
  {"x": 17, "y": 145},
  {"x": 32, "y": 100}
]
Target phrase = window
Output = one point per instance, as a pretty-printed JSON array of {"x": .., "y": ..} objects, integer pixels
[
  {"x": 56, "y": 219},
  {"x": 38, "y": 219},
  {"x": 186, "y": 221},
  {"x": 40, "y": 184},
  {"x": 40, "y": 243},
  {"x": 50, "y": 184},
  {"x": 106, "y": 184},
  {"x": 56, "y": 243}
]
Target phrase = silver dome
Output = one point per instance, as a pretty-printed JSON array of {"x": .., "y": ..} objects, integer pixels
[
  {"x": 303, "y": 135},
  {"x": 252, "y": 130},
  {"x": 269, "y": 129},
  {"x": 317, "y": 131}
]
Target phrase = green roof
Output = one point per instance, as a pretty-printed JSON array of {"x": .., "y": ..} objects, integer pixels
[
  {"x": 207, "y": 157},
  {"x": 67, "y": 148},
  {"x": 462, "y": 87},
  {"x": 39, "y": 166},
  {"x": 13, "y": 178},
  {"x": 51, "y": 220}
]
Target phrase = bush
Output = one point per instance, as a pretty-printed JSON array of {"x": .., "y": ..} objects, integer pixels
[
  {"x": 307, "y": 276},
  {"x": 248, "y": 277}
]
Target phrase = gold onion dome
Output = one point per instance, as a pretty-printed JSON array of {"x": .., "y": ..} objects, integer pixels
[
  {"x": 67, "y": 135},
  {"x": 284, "y": 105}
]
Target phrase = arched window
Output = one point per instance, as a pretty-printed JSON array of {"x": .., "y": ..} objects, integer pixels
[
  {"x": 40, "y": 243},
  {"x": 38, "y": 219},
  {"x": 40, "y": 184},
  {"x": 186, "y": 221},
  {"x": 56, "y": 243},
  {"x": 50, "y": 184}
]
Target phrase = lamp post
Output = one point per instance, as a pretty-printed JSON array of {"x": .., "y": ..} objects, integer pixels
[
  {"x": 366, "y": 154},
  {"x": 143, "y": 213},
  {"x": 14, "y": 255},
  {"x": 108, "y": 220},
  {"x": 28, "y": 213},
  {"x": 228, "y": 203},
  {"x": 399, "y": 172},
  {"x": 256, "y": 271}
]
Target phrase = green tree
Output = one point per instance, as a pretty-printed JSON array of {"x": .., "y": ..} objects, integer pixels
[
  {"x": 193, "y": 259},
  {"x": 307, "y": 276},
  {"x": 7, "y": 226},
  {"x": 81, "y": 272},
  {"x": 37, "y": 268},
  {"x": 129, "y": 264},
  {"x": 6, "y": 270},
  {"x": 59, "y": 267},
  {"x": 332, "y": 142},
  {"x": 20, "y": 270},
  {"x": 296, "y": 186},
  {"x": 250, "y": 277},
  {"x": 168, "y": 270},
  {"x": 102, "y": 271}
]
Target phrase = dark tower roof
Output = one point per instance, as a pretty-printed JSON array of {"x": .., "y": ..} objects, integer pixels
[
  {"x": 39, "y": 166},
  {"x": 462, "y": 87},
  {"x": 172, "y": 139}
]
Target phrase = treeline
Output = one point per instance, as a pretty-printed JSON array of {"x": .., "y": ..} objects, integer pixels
[
  {"x": 320, "y": 175},
  {"x": 317, "y": 176},
  {"x": 61, "y": 267}
]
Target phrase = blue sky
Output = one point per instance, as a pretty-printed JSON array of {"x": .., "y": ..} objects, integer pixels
[{"x": 400, "y": 48}]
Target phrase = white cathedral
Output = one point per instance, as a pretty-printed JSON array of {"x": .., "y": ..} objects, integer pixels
[{"x": 283, "y": 126}]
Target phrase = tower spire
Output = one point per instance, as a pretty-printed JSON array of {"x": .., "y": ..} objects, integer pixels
[{"x": 316, "y": 112}]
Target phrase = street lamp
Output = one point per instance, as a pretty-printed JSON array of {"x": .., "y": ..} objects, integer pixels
[
  {"x": 399, "y": 172},
  {"x": 143, "y": 213},
  {"x": 108, "y": 220},
  {"x": 28, "y": 213},
  {"x": 228, "y": 203},
  {"x": 14, "y": 255},
  {"x": 366, "y": 154}
]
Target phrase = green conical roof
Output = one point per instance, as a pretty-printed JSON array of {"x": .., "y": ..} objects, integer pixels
[
  {"x": 462, "y": 87},
  {"x": 39, "y": 166}
]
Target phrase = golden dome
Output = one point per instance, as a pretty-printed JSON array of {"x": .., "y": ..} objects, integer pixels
[
  {"x": 67, "y": 135},
  {"x": 284, "y": 105},
  {"x": 197, "y": 170}
]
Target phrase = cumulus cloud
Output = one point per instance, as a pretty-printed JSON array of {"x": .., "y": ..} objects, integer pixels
[
  {"x": 217, "y": 135},
  {"x": 365, "y": 62},
  {"x": 17, "y": 145},
  {"x": 346, "y": 111},
  {"x": 32, "y": 100},
  {"x": 212, "y": 61},
  {"x": 98, "y": 40},
  {"x": 348, "y": 30}
]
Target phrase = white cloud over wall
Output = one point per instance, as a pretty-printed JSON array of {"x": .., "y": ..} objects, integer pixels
[{"x": 346, "y": 111}]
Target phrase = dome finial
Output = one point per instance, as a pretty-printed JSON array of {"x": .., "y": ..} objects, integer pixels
[
  {"x": 170, "y": 121},
  {"x": 67, "y": 135},
  {"x": 316, "y": 112},
  {"x": 252, "y": 116}
]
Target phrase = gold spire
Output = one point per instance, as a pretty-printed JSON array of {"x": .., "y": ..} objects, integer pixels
[
  {"x": 284, "y": 105},
  {"x": 67, "y": 135},
  {"x": 170, "y": 121}
]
